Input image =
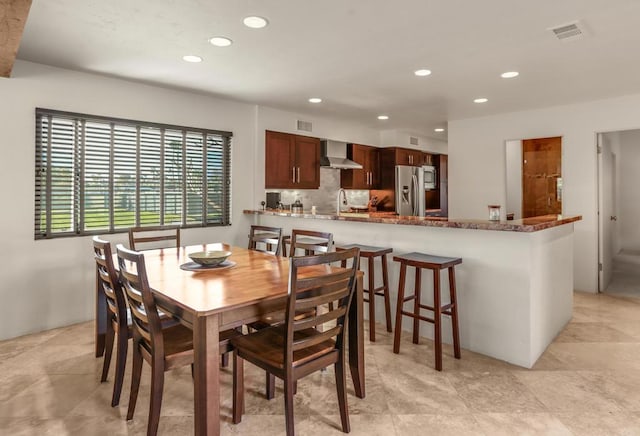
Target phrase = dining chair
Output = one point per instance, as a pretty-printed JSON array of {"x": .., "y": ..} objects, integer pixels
[
  {"x": 295, "y": 348},
  {"x": 164, "y": 349},
  {"x": 149, "y": 237},
  {"x": 311, "y": 241},
  {"x": 265, "y": 239},
  {"x": 117, "y": 325}
]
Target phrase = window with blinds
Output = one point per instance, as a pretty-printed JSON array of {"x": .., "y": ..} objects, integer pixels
[{"x": 102, "y": 175}]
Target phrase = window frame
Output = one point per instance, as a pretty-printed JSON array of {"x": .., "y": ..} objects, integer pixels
[{"x": 43, "y": 192}]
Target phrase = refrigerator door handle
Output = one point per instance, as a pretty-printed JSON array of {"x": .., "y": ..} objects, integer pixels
[{"x": 414, "y": 180}]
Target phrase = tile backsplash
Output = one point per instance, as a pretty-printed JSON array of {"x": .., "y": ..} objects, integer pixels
[{"x": 324, "y": 198}]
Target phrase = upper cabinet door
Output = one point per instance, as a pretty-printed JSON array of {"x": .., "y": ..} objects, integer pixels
[
  {"x": 279, "y": 160},
  {"x": 307, "y": 162},
  {"x": 366, "y": 178},
  {"x": 403, "y": 156}
]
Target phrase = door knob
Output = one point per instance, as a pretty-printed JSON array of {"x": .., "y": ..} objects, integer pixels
[{"x": 614, "y": 218}]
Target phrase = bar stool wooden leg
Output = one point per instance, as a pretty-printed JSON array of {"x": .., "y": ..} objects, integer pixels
[
  {"x": 454, "y": 313},
  {"x": 387, "y": 297},
  {"x": 396, "y": 336},
  {"x": 437, "y": 318},
  {"x": 372, "y": 301},
  {"x": 416, "y": 306}
]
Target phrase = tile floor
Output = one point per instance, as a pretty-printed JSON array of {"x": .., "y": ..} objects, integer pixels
[
  {"x": 625, "y": 277},
  {"x": 586, "y": 383}
]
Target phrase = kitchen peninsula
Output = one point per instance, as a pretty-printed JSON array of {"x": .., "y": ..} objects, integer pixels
[{"x": 515, "y": 285}]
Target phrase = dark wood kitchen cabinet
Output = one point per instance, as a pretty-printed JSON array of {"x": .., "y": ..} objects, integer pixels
[
  {"x": 291, "y": 161},
  {"x": 367, "y": 177},
  {"x": 407, "y": 156}
]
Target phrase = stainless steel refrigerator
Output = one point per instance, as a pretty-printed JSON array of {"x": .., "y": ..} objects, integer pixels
[{"x": 409, "y": 191}]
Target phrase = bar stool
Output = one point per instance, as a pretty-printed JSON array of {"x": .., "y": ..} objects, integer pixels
[
  {"x": 435, "y": 264},
  {"x": 371, "y": 253}
]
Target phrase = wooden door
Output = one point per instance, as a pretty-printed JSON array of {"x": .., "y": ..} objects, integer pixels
[
  {"x": 360, "y": 155},
  {"x": 307, "y": 162},
  {"x": 541, "y": 176},
  {"x": 403, "y": 156},
  {"x": 279, "y": 160},
  {"x": 374, "y": 167}
]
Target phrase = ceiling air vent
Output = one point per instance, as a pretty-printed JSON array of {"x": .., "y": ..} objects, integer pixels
[
  {"x": 413, "y": 140},
  {"x": 305, "y": 126},
  {"x": 568, "y": 32}
]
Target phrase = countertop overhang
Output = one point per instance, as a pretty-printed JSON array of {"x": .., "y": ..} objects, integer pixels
[{"x": 526, "y": 225}]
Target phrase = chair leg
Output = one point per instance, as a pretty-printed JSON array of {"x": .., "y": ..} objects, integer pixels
[
  {"x": 288, "y": 404},
  {"x": 136, "y": 374},
  {"x": 270, "y": 383},
  {"x": 416, "y": 306},
  {"x": 121, "y": 361},
  {"x": 387, "y": 297},
  {"x": 396, "y": 336},
  {"x": 155, "y": 403},
  {"x": 454, "y": 313},
  {"x": 108, "y": 350},
  {"x": 341, "y": 382},
  {"x": 238, "y": 388},
  {"x": 437, "y": 318},
  {"x": 224, "y": 360},
  {"x": 372, "y": 301}
]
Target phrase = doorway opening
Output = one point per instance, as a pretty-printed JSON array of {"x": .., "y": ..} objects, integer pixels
[
  {"x": 619, "y": 213},
  {"x": 534, "y": 177}
]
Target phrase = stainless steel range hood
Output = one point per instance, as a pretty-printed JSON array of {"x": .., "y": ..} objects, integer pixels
[{"x": 333, "y": 154}]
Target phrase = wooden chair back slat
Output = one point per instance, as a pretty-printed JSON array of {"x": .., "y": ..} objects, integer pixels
[
  {"x": 265, "y": 239},
  {"x": 330, "y": 294},
  {"x": 312, "y": 242},
  {"x": 306, "y": 323},
  {"x": 150, "y": 237},
  {"x": 305, "y": 291},
  {"x": 326, "y": 335},
  {"x": 133, "y": 275}
]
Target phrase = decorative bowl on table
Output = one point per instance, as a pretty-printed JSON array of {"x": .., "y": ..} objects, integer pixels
[{"x": 209, "y": 258}]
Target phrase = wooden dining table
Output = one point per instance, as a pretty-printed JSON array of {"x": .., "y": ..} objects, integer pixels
[{"x": 212, "y": 300}]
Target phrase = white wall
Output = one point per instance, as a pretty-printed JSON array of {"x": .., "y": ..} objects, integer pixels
[
  {"x": 628, "y": 171},
  {"x": 514, "y": 178},
  {"x": 477, "y": 162},
  {"x": 49, "y": 283}
]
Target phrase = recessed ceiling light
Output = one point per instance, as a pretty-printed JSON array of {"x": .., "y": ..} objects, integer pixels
[
  {"x": 315, "y": 100},
  {"x": 509, "y": 74},
  {"x": 255, "y": 22},
  {"x": 481, "y": 100},
  {"x": 220, "y": 41},
  {"x": 439, "y": 129},
  {"x": 383, "y": 117},
  {"x": 422, "y": 73},
  {"x": 192, "y": 58}
]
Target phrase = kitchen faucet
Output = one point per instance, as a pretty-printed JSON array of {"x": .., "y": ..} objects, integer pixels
[{"x": 341, "y": 201}]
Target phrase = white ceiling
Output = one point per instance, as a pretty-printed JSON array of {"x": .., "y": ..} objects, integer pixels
[{"x": 357, "y": 55}]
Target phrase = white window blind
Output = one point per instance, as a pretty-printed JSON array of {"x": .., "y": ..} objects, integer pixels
[{"x": 102, "y": 175}]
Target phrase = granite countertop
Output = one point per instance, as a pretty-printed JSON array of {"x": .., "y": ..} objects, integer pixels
[{"x": 524, "y": 225}]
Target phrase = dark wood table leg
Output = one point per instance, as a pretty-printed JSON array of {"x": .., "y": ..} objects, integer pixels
[
  {"x": 101, "y": 318},
  {"x": 206, "y": 349},
  {"x": 356, "y": 340}
]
